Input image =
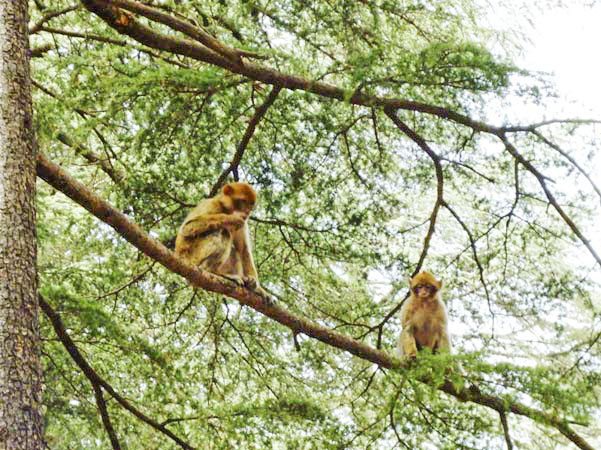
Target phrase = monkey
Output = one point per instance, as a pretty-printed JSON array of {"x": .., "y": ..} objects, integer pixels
[
  {"x": 424, "y": 318},
  {"x": 215, "y": 237}
]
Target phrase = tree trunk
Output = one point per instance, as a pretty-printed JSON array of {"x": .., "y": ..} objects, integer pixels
[{"x": 20, "y": 373}]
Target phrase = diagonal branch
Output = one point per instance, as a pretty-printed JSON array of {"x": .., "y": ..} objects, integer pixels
[
  {"x": 94, "y": 378},
  {"x": 420, "y": 141},
  {"x": 106, "y": 420},
  {"x": 476, "y": 259},
  {"x": 572, "y": 161},
  {"x": 59, "y": 179},
  {"x": 250, "y": 130},
  {"x": 51, "y": 15},
  {"x": 126, "y": 24},
  {"x": 187, "y": 28},
  {"x": 505, "y": 425},
  {"x": 552, "y": 200}
]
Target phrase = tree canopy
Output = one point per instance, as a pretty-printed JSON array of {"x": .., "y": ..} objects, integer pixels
[{"x": 383, "y": 138}]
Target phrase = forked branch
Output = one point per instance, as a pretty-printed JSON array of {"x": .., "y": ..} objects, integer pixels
[{"x": 195, "y": 32}]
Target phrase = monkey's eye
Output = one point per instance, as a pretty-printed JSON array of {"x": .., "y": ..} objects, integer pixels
[{"x": 431, "y": 289}]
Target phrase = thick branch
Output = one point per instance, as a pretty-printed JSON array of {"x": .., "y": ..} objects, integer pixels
[
  {"x": 187, "y": 28},
  {"x": 94, "y": 378},
  {"x": 60, "y": 180},
  {"x": 250, "y": 130},
  {"x": 38, "y": 52},
  {"x": 498, "y": 404},
  {"x": 127, "y": 25}
]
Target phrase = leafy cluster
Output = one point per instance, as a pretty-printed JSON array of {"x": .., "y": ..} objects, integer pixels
[{"x": 345, "y": 205}]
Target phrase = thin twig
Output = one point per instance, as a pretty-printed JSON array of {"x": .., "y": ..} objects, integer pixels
[
  {"x": 106, "y": 420},
  {"x": 250, "y": 130},
  {"x": 476, "y": 259},
  {"x": 542, "y": 180},
  {"x": 116, "y": 175},
  {"x": 93, "y": 37},
  {"x": 51, "y": 15},
  {"x": 503, "y": 417}
]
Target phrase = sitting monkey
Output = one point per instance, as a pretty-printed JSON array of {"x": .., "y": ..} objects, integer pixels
[
  {"x": 215, "y": 237},
  {"x": 424, "y": 318}
]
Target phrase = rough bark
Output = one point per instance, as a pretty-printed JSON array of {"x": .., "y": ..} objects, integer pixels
[{"x": 20, "y": 372}]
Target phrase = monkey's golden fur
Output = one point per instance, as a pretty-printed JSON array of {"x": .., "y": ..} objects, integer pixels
[
  {"x": 215, "y": 237},
  {"x": 424, "y": 318}
]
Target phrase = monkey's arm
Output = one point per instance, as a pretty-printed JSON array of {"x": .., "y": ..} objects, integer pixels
[
  {"x": 244, "y": 245},
  {"x": 210, "y": 222},
  {"x": 407, "y": 345},
  {"x": 444, "y": 343}
]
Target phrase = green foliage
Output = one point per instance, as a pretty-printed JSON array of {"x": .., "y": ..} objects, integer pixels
[{"x": 344, "y": 205}]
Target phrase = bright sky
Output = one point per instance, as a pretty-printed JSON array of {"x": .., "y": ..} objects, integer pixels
[{"x": 567, "y": 42}]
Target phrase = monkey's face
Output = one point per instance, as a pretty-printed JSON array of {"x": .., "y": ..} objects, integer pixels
[
  {"x": 424, "y": 285},
  {"x": 239, "y": 199},
  {"x": 243, "y": 205}
]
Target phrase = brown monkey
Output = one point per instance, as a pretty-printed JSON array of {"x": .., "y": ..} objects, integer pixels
[
  {"x": 215, "y": 235},
  {"x": 424, "y": 318}
]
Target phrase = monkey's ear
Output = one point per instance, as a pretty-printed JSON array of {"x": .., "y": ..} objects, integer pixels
[
  {"x": 228, "y": 189},
  {"x": 440, "y": 284}
]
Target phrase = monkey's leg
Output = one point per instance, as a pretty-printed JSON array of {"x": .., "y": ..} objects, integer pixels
[
  {"x": 244, "y": 251},
  {"x": 213, "y": 251},
  {"x": 231, "y": 266}
]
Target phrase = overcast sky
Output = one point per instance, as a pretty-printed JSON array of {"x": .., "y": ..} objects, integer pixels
[{"x": 567, "y": 42}]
